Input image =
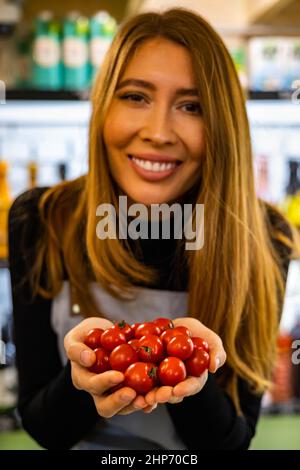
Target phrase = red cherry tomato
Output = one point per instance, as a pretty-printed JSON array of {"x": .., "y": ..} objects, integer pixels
[
  {"x": 163, "y": 323},
  {"x": 167, "y": 335},
  {"x": 134, "y": 343},
  {"x": 200, "y": 343},
  {"x": 171, "y": 371},
  {"x": 150, "y": 349},
  {"x": 112, "y": 337},
  {"x": 102, "y": 361},
  {"x": 184, "y": 330},
  {"x": 134, "y": 327},
  {"x": 141, "y": 376},
  {"x": 180, "y": 346},
  {"x": 197, "y": 363},
  {"x": 147, "y": 328},
  {"x": 124, "y": 328},
  {"x": 122, "y": 356},
  {"x": 93, "y": 338}
]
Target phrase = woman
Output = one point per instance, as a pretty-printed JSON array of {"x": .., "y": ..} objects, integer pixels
[{"x": 168, "y": 125}]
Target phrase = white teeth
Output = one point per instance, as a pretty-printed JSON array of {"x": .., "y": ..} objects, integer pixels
[{"x": 153, "y": 166}]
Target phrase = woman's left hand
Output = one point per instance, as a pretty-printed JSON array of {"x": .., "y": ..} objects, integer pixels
[{"x": 191, "y": 385}]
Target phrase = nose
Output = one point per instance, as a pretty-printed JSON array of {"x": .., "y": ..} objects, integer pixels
[{"x": 157, "y": 127}]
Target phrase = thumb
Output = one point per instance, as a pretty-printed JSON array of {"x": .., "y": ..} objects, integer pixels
[{"x": 81, "y": 354}]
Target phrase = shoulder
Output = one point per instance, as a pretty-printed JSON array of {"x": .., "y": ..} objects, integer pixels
[
  {"x": 61, "y": 200},
  {"x": 24, "y": 224},
  {"x": 25, "y": 206}
]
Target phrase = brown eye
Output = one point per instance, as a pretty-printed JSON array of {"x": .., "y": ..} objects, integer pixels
[
  {"x": 193, "y": 108},
  {"x": 132, "y": 97}
]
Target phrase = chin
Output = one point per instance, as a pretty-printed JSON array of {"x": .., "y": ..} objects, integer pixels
[{"x": 147, "y": 199}]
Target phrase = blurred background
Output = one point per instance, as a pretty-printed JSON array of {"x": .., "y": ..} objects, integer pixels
[{"x": 49, "y": 54}]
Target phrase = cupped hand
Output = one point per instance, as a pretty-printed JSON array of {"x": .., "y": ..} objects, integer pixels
[
  {"x": 166, "y": 394},
  {"x": 217, "y": 353},
  {"x": 191, "y": 385},
  {"x": 122, "y": 401}
]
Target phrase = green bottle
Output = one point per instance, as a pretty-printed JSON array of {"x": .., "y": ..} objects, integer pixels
[
  {"x": 102, "y": 29},
  {"x": 46, "y": 53},
  {"x": 75, "y": 52}
]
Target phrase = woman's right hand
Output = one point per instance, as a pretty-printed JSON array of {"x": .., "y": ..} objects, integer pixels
[{"x": 123, "y": 401}]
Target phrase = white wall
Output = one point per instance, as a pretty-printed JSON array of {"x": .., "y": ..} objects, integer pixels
[{"x": 220, "y": 13}]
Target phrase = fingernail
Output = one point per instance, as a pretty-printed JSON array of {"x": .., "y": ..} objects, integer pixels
[
  {"x": 125, "y": 397},
  {"x": 150, "y": 409},
  {"x": 218, "y": 363},
  {"x": 139, "y": 407},
  {"x": 85, "y": 358},
  {"x": 115, "y": 380}
]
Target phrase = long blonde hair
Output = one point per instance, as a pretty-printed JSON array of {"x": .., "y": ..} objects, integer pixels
[{"x": 234, "y": 279}]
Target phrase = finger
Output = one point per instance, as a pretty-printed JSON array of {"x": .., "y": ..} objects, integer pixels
[
  {"x": 195, "y": 326},
  {"x": 81, "y": 377},
  {"x": 150, "y": 397},
  {"x": 128, "y": 410},
  {"x": 139, "y": 402},
  {"x": 174, "y": 400},
  {"x": 81, "y": 354},
  {"x": 217, "y": 357},
  {"x": 190, "y": 386},
  {"x": 79, "y": 332},
  {"x": 114, "y": 403},
  {"x": 149, "y": 409},
  {"x": 96, "y": 384},
  {"x": 76, "y": 350},
  {"x": 99, "y": 384},
  {"x": 137, "y": 405},
  {"x": 163, "y": 394},
  {"x": 216, "y": 350}
]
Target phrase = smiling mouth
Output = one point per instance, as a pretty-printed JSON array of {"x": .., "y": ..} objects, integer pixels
[{"x": 152, "y": 166}]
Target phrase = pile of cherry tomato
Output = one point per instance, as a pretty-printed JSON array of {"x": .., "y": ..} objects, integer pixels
[{"x": 149, "y": 354}]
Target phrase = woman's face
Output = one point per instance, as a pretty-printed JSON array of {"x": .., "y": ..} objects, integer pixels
[{"x": 153, "y": 131}]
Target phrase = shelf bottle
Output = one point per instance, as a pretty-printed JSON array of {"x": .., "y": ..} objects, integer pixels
[{"x": 5, "y": 202}]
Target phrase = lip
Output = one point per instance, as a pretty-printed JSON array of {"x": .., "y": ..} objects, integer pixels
[
  {"x": 153, "y": 157},
  {"x": 149, "y": 175}
]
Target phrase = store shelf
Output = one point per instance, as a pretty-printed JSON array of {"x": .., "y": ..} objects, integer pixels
[
  {"x": 269, "y": 95},
  {"x": 26, "y": 113},
  {"x": 46, "y": 95}
]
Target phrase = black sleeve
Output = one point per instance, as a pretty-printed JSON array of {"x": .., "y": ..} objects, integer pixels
[
  {"x": 209, "y": 420},
  {"x": 53, "y": 411}
]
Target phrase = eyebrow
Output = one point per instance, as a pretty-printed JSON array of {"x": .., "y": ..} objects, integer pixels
[{"x": 152, "y": 87}]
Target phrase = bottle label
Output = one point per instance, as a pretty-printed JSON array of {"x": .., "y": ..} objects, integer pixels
[
  {"x": 98, "y": 49},
  {"x": 75, "y": 52},
  {"x": 46, "y": 52}
]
